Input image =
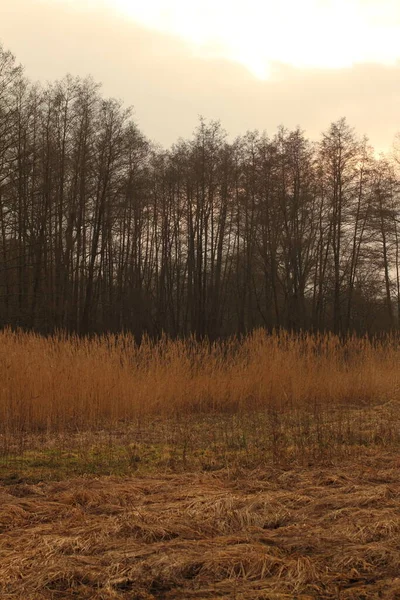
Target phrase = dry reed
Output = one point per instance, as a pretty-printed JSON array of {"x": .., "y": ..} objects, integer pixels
[
  {"x": 316, "y": 533},
  {"x": 62, "y": 382},
  {"x": 281, "y": 394},
  {"x": 300, "y": 431}
]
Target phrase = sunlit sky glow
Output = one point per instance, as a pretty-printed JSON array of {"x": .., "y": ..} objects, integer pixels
[
  {"x": 254, "y": 64},
  {"x": 259, "y": 33}
]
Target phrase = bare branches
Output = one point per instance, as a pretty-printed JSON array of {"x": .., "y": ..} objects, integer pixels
[{"x": 101, "y": 230}]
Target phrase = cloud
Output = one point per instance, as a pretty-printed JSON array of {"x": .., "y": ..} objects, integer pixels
[
  {"x": 257, "y": 33},
  {"x": 169, "y": 84}
]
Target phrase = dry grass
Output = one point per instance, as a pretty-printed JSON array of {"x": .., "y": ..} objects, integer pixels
[
  {"x": 264, "y": 469},
  {"x": 191, "y": 404},
  {"x": 321, "y": 532},
  {"x": 61, "y": 383}
]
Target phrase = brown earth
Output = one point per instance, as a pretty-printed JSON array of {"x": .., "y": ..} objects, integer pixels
[{"x": 326, "y": 532}]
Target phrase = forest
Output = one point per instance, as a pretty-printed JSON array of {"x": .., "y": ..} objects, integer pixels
[{"x": 102, "y": 230}]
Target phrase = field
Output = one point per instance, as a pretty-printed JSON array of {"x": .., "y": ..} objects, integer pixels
[{"x": 262, "y": 468}]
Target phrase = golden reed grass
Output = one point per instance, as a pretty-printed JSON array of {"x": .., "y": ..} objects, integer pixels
[{"x": 65, "y": 383}]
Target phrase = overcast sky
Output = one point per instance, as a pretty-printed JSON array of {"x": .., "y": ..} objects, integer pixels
[{"x": 254, "y": 64}]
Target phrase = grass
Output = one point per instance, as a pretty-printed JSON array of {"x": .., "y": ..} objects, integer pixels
[
  {"x": 298, "y": 386},
  {"x": 203, "y": 443},
  {"x": 319, "y": 532},
  {"x": 257, "y": 469}
]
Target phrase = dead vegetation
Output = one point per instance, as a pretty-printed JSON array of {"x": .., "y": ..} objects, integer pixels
[
  {"x": 322, "y": 532},
  {"x": 63, "y": 383},
  {"x": 254, "y": 470}
]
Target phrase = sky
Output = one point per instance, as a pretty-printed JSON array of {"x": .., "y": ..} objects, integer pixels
[{"x": 254, "y": 65}]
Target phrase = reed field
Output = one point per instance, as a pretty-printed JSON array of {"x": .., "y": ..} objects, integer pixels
[
  {"x": 254, "y": 469},
  {"x": 272, "y": 395}
]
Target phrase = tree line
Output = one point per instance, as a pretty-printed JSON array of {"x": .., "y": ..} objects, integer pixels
[{"x": 101, "y": 230}]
